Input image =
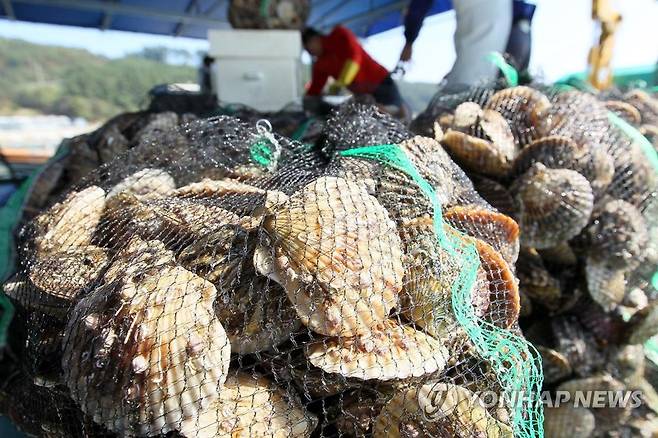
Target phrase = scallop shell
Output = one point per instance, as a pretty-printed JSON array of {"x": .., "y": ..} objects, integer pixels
[
  {"x": 555, "y": 365},
  {"x": 430, "y": 274},
  {"x": 476, "y": 154},
  {"x": 433, "y": 164},
  {"x": 486, "y": 124},
  {"x": 536, "y": 281},
  {"x": 356, "y": 413},
  {"x": 496, "y": 195},
  {"x": 556, "y": 205},
  {"x": 337, "y": 254},
  {"x": 137, "y": 256},
  {"x": 251, "y": 406},
  {"x": 208, "y": 188},
  {"x": 606, "y": 285},
  {"x": 176, "y": 222},
  {"x": 498, "y": 230},
  {"x": 634, "y": 180},
  {"x": 146, "y": 183},
  {"x": 568, "y": 420},
  {"x": 504, "y": 301},
  {"x": 58, "y": 279},
  {"x": 401, "y": 196},
  {"x": 145, "y": 355},
  {"x": 524, "y": 108},
  {"x": 618, "y": 235},
  {"x": 438, "y": 410},
  {"x": 70, "y": 223},
  {"x": 607, "y": 417},
  {"x": 576, "y": 344},
  {"x": 257, "y": 315},
  {"x": 389, "y": 351},
  {"x": 625, "y": 110},
  {"x": 554, "y": 152}
]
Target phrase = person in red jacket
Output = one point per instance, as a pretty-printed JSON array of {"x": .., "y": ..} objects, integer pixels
[{"x": 340, "y": 56}]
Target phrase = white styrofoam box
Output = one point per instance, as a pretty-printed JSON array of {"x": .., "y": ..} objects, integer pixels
[
  {"x": 238, "y": 43},
  {"x": 265, "y": 84},
  {"x": 259, "y": 68}
]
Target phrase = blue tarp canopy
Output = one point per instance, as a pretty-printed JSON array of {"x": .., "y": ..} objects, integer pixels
[{"x": 192, "y": 18}]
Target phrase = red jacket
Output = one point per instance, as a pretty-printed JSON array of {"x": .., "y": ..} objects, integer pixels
[{"x": 339, "y": 47}]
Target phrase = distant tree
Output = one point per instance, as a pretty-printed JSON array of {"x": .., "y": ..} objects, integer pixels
[{"x": 155, "y": 53}]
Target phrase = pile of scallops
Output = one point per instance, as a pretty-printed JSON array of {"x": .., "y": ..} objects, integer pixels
[
  {"x": 582, "y": 190},
  {"x": 293, "y": 295}
]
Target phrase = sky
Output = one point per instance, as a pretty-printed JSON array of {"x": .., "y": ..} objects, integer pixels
[{"x": 562, "y": 34}]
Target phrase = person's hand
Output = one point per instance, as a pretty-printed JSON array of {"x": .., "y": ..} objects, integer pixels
[{"x": 407, "y": 51}]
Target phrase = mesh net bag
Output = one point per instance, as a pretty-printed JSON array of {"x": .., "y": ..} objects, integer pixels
[
  {"x": 268, "y": 14},
  {"x": 581, "y": 182},
  {"x": 242, "y": 284}
]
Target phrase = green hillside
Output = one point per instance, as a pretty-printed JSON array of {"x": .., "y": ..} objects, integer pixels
[{"x": 73, "y": 82}]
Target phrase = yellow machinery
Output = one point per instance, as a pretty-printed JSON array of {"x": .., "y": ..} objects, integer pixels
[{"x": 600, "y": 73}]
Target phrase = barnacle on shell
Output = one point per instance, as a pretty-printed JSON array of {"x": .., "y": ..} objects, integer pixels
[
  {"x": 337, "y": 254},
  {"x": 556, "y": 205},
  {"x": 438, "y": 410},
  {"x": 389, "y": 351},
  {"x": 145, "y": 354},
  {"x": 70, "y": 223},
  {"x": 146, "y": 183}
]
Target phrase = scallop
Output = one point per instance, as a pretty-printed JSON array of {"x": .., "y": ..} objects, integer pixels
[
  {"x": 70, "y": 223},
  {"x": 482, "y": 155},
  {"x": 560, "y": 152},
  {"x": 137, "y": 256},
  {"x": 568, "y": 420},
  {"x": 504, "y": 301},
  {"x": 430, "y": 276},
  {"x": 176, "y": 222},
  {"x": 251, "y": 406},
  {"x": 56, "y": 280},
  {"x": 606, "y": 417},
  {"x": 618, "y": 235},
  {"x": 145, "y": 183},
  {"x": 495, "y": 194},
  {"x": 556, "y": 205},
  {"x": 433, "y": 164},
  {"x": 438, "y": 410},
  {"x": 145, "y": 355},
  {"x": 391, "y": 351},
  {"x": 634, "y": 180},
  {"x": 524, "y": 108},
  {"x": 498, "y": 230},
  {"x": 257, "y": 315},
  {"x": 555, "y": 365},
  {"x": 536, "y": 281},
  {"x": 625, "y": 110},
  {"x": 208, "y": 188},
  {"x": 337, "y": 254}
]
